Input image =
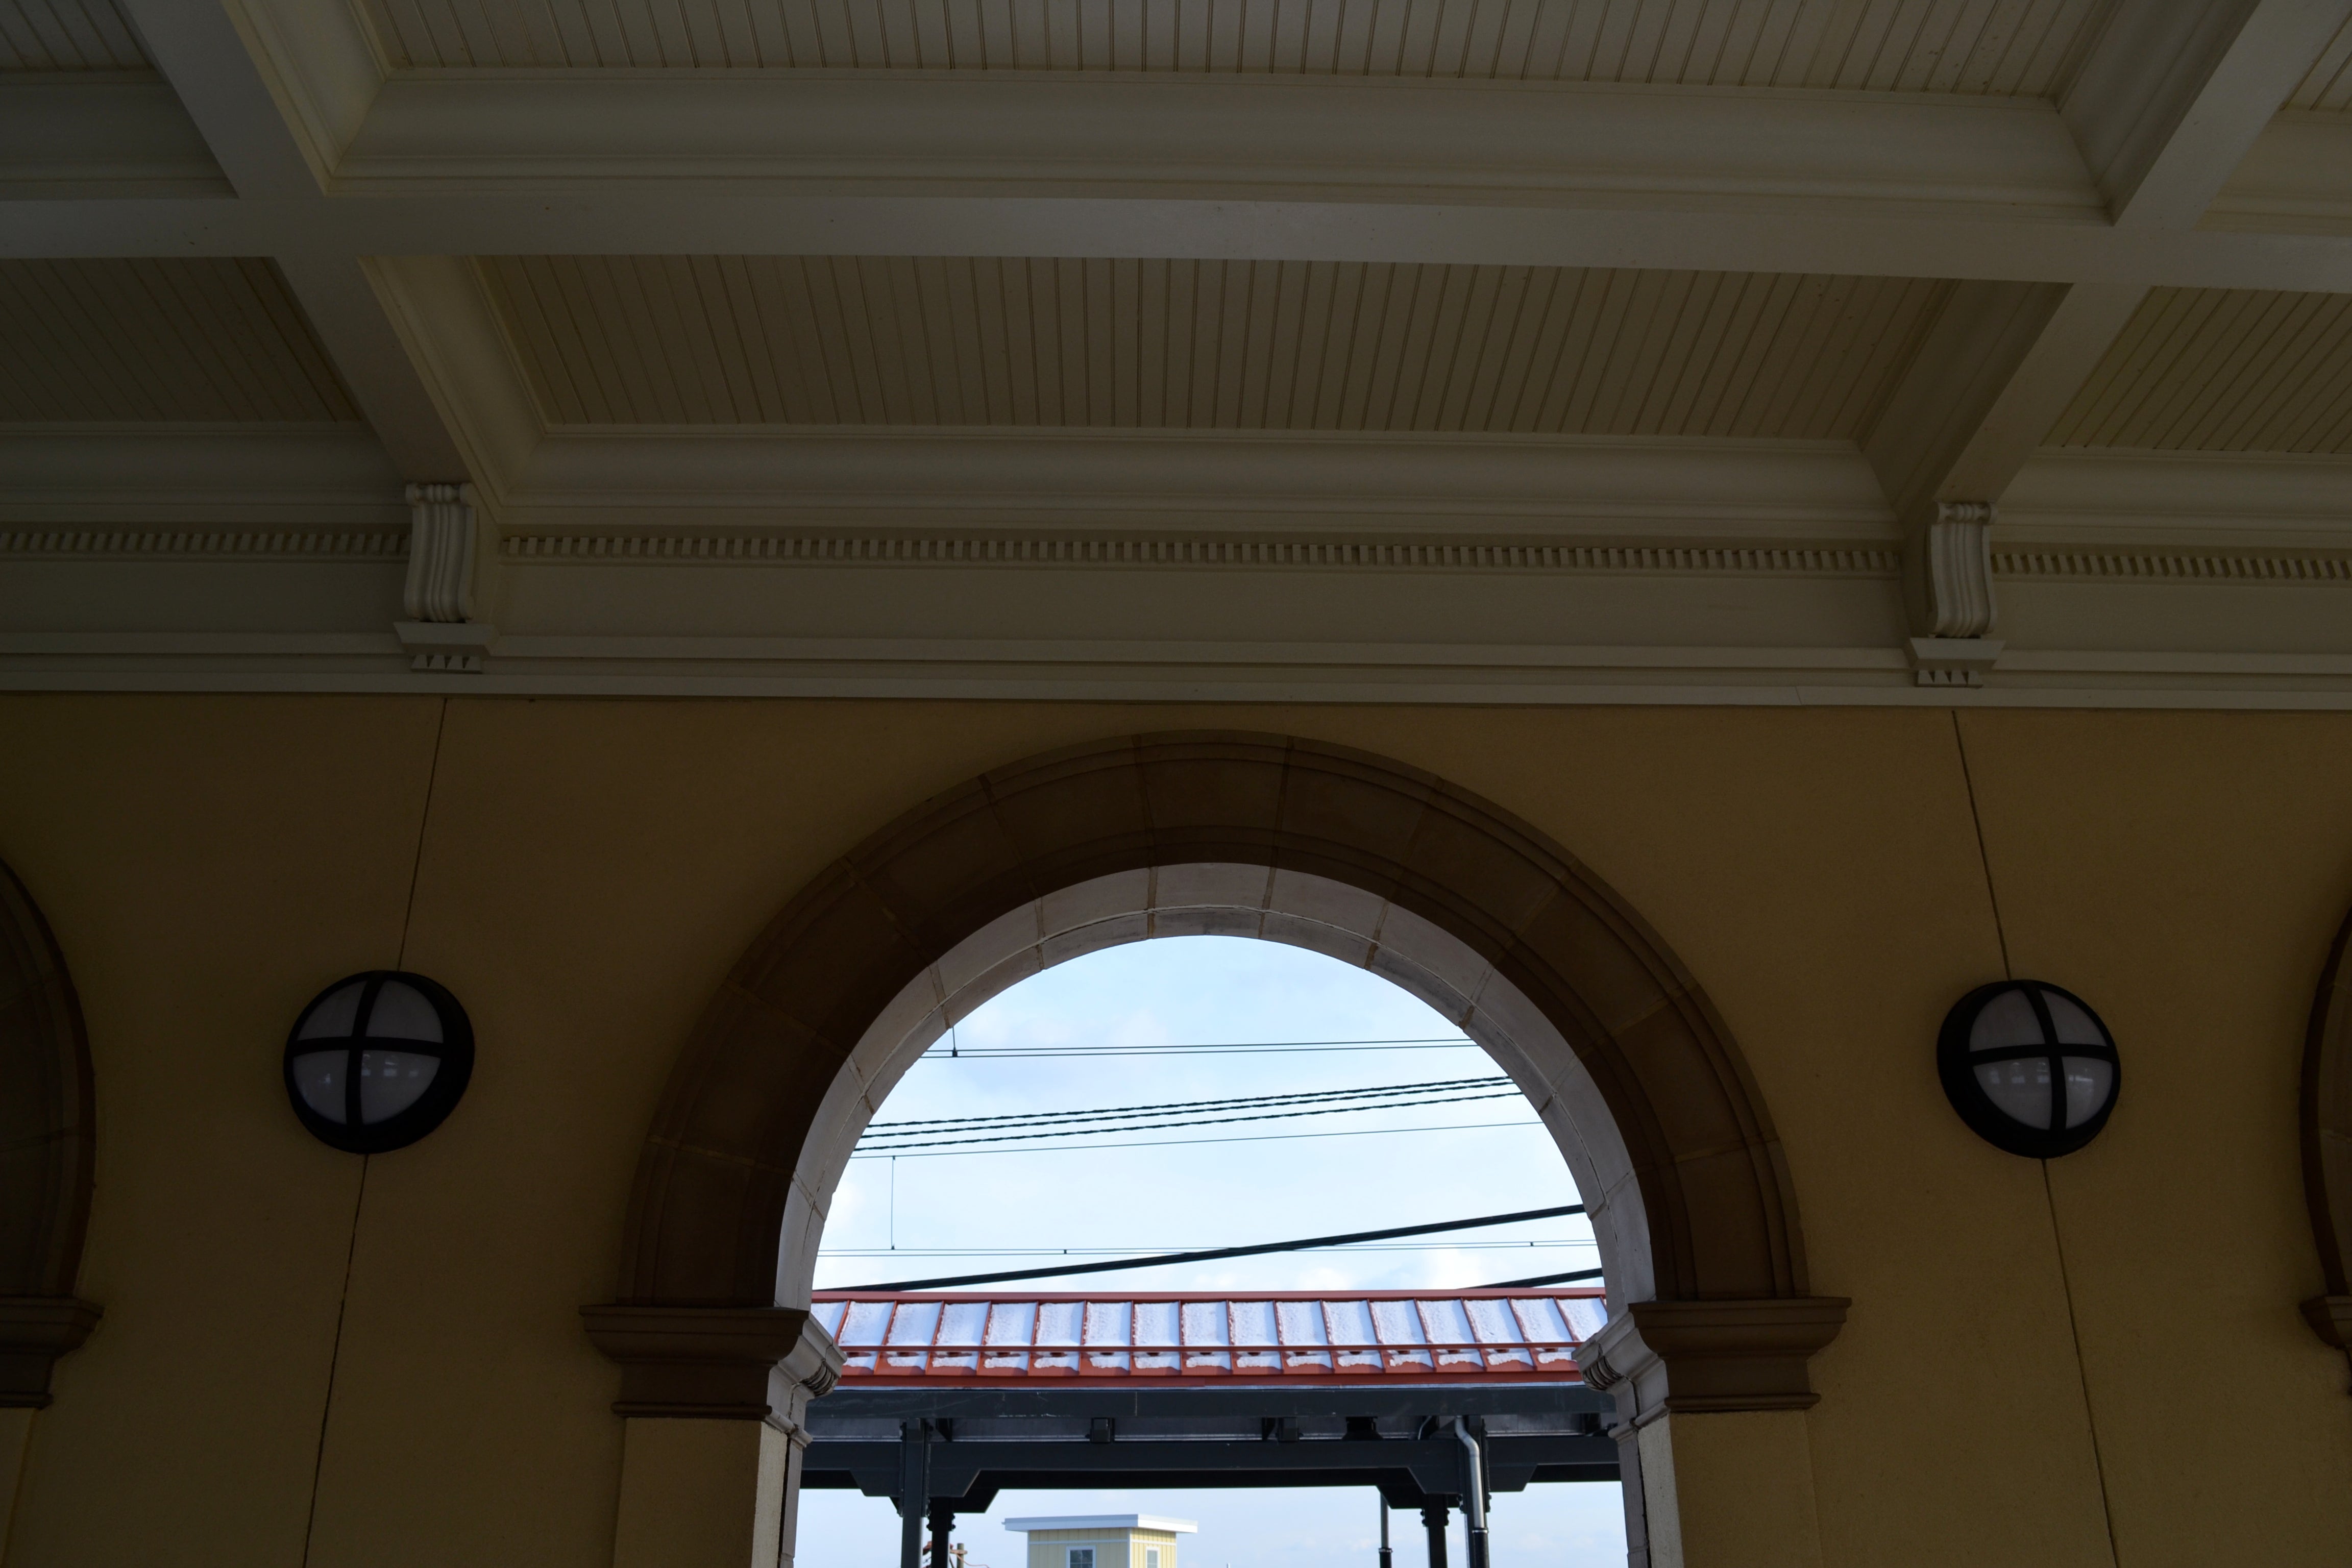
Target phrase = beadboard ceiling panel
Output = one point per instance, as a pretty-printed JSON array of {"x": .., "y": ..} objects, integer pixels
[
  {"x": 67, "y": 35},
  {"x": 2010, "y": 46},
  {"x": 2223, "y": 369},
  {"x": 2327, "y": 86},
  {"x": 210, "y": 340},
  {"x": 1203, "y": 345}
]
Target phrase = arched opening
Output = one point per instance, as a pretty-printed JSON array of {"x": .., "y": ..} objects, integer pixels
[
  {"x": 48, "y": 1152},
  {"x": 1606, "y": 1034},
  {"x": 1252, "y": 1092}
]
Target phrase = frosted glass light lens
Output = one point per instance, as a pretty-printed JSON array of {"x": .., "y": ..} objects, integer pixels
[
  {"x": 390, "y": 1081},
  {"x": 331, "y": 1019},
  {"x": 2089, "y": 1082},
  {"x": 402, "y": 1013},
  {"x": 319, "y": 1075},
  {"x": 2007, "y": 1022},
  {"x": 2019, "y": 1087},
  {"x": 2074, "y": 1026}
]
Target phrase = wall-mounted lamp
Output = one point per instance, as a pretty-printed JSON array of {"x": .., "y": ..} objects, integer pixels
[
  {"x": 377, "y": 1061},
  {"x": 2029, "y": 1066}
]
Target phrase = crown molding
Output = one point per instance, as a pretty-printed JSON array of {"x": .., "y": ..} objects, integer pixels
[
  {"x": 712, "y": 549},
  {"x": 2147, "y": 568},
  {"x": 239, "y": 544}
]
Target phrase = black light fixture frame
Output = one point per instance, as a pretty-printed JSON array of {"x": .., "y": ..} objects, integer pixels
[
  {"x": 1956, "y": 1064},
  {"x": 455, "y": 1050}
]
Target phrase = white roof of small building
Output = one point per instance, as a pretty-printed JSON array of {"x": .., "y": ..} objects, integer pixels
[{"x": 1107, "y": 1521}]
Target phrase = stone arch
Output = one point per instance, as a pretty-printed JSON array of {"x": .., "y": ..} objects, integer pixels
[
  {"x": 47, "y": 1148},
  {"x": 1715, "y": 1311},
  {"x": 2327, "y": 1142}
]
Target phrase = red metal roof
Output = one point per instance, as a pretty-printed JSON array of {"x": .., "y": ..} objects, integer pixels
[{"x": 922, "y": 1337}]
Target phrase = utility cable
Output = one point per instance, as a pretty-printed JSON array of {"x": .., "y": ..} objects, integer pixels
[
  {"x": 1202, "y": 1121},
  {"x": 1190, "y": 1142},
  {"x": 1215, "y": 1254},
  {"x": 1432, "y": 1043},
  {"x": 1166, "y": 1108}
]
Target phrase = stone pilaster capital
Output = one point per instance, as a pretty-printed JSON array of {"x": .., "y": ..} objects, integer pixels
[
  {"x": 2330, "y": 1318},
  {"x": 728, "y": 1363},
  {"x": 35, "y": 1330},
  {"x": 1665, "y": 1356}
]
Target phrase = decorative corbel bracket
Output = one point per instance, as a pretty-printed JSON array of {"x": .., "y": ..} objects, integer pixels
[
  {"x": 440, "y": 635},
  {"x": 35, "y": 1330},
  {"x": 1961, "y": 608},
  {"x": 724, "y": 1364},
  {"x": 1663, "y": 1357}
]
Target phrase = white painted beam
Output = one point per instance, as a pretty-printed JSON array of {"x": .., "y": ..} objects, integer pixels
[
  {"x": 2177, "y": 92},
  {"x": 1238, "y": 138},
  {"x": 198, "y": 48},
  {"x": 753, "y": 223}
]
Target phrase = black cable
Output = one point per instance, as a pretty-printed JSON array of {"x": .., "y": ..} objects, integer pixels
[
  {"x": 1216, "y": 1252},
  {"x": 1166, "y": 1108},
  {"x": 1540, "y": 1279},
  {"x": 1203, "y": 1121}
]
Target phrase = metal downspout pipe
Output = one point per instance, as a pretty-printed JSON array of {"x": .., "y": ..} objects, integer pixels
[{"x": 1473, "y": 1493}]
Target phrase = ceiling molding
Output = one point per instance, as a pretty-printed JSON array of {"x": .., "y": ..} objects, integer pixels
[
  {"x": 678, "y": 549},
  {"x": 248, "y": 545},
  {"x": 2148, "y": 568}
]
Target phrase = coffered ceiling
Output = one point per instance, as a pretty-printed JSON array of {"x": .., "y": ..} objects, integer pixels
[{"x": 1522, "y": 350}]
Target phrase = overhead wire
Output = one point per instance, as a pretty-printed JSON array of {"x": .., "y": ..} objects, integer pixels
[
  {"x": 889, "y": 1146},
  {"x": 1187, "y": 1142},
  {"x": 1212, "y": 1255},
  {"x": 1432, "y": 1043},
  {"x": 1165, "y": 1108}
]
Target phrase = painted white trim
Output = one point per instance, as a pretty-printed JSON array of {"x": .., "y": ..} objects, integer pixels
[{"x": 1107, "y": 1521}]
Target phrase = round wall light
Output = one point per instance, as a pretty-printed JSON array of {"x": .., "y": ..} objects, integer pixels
[
  {"x": 2029, "y": 1066},
  {"x": 377, "y": 1061}
]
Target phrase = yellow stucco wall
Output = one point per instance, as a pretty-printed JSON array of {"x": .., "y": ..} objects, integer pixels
[{"x": 2027, "y": 1360}]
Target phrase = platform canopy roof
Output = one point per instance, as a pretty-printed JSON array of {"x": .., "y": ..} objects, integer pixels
[
  {"x": 941, "y": 1339},
  {"x": 1457, "y": 351}
]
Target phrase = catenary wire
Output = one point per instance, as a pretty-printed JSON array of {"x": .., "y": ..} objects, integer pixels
[
  {"x": 1200, "y": 1122},
  {"x": 1167, "y": 1108},
  {"x": 1186, "y": 1143},
  {"x": 1121, "y": 1251},
  {"x": 1212, "y": 1255},
  {"x": 1434, "y": 1043}
]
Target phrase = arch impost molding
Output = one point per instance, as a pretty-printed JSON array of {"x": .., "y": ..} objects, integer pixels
[
  {"x": 2327, "y": 1142},
  {"x": 35, "y": 1330},
  {"x": 1694, "y": 1356},
  {"x": 729, "y": 1363}
]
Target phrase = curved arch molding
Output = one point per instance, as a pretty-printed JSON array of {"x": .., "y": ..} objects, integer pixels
[
  {"x": 47, "y": 1148},
  {"x": 1734, "y": 1321},
  {"x": 2327, "y": 1142}
]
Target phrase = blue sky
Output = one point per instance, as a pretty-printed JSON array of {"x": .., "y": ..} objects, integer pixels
[{"x": 1201, "y": 1187}]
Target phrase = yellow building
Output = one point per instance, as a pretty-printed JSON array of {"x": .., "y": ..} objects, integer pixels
[{"x": 1103, "y": 1541}]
